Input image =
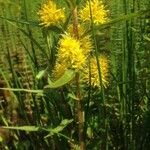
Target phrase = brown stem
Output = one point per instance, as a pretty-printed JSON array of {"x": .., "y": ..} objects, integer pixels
[
  {"x": 75, "y": 22},
  {"x": 79, "y": 107},
  {"x": 80, "y": 114}
]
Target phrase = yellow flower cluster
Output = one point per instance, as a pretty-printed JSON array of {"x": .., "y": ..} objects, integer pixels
[
  {"x": 50, "y": 15},
  {"x": 94, "y": 74},
  {"x": 70, "y": 55},
  {"x": 95, "y": 9},
  {"x": 85, "y": 40}
]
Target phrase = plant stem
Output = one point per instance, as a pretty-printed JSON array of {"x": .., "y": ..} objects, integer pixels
[
  {"x": 79, "y": 107},
  {"x": 80, "y": 114},
  {"x": 102, "y": 115}
]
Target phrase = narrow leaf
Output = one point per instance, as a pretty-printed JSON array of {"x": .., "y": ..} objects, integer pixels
[
  {"x": 23, "y": 90},
  {"x": 59, "y": 128},
  {"x": 64, "y": 79},
  {"x": 24, "y": 128},
  {"x": 41, "y": 74},
  {"x": 146, "y": 38},
  {"x": 71, "y": 95}
]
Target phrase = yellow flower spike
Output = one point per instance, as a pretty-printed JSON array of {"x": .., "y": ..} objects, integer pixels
[
  {"x": 94, "y": 72},
  {"x": 86, "y": 42},
  {"x": 50, "y": 15},
  {"x": 98, "y": 12},
  {"x": 71, "y": 53}
]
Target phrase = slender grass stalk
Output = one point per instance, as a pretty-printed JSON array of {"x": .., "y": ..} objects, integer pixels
[
  {"x": 30, "y": 34},
  {"x": 128, "y": 73},
  {"x": 101, "y": 84},
  {"x": 124, "y": 75},
  {"x": 87, "y": 110},
  {"x": 131, "y": 76},
  {"x": 34, "y": 56}
]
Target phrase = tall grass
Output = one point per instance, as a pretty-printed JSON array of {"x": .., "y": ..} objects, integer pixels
[{"x": 36, "y": 113}]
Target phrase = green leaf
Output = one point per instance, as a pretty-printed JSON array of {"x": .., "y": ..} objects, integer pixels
[
  {"x": 125, "y": 17},
  {"x": 65, "y": 122},
  {"x": 89, "y": 132},
  {"x": 24, "y": 128},
  {"x": 64, "y": 79},
  {"x": 59, "y": 128},
  {"x": 33, "y": 23},
  {"x": 119, "y": 19},
  {"x": 23, "y": 90},
  {"x": 73, "y": 96},
  {"x": 146, "y": 38},
  {"x": 1, "y": 139},
  {"x": 41, "y": 74}
]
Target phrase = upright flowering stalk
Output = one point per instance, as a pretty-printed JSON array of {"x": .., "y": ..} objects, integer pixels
[
  {"x": 74, "y": 49},
  {"x": 72, "y": 54},
  {"x": 79, "y": 102},
  {"x": 95, "y": 9},
  {"x": 50, "y": 15}
]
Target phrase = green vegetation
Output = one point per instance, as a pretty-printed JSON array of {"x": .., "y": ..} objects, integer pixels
[{"x": 78, "y": 81}]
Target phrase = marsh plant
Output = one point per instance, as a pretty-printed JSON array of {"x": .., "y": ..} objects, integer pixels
[{"x": 76, "y": 54}]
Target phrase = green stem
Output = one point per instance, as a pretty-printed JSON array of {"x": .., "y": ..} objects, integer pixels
[{"x": 100, "y": 80}]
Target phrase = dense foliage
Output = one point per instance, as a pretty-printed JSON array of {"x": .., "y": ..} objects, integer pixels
[{"x": 75, "y": 75}]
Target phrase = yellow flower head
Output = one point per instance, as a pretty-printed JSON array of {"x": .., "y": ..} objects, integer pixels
[
  {"x": 98, "y": 12},
  {"x": 71, "y": 53},
  {"x": 86, "y": 44},
  {"x": 85, "y": 40},
  {"x": 103, "y": 61},
  {"x": 50, "y": 15}
]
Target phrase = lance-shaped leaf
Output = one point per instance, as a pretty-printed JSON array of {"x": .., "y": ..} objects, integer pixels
[
  {"x": 55, "y": 130},
  {"x": 24, "y": 128},
  {"x": 59, "y": 128},
  {"x": 23, "y": 90},
  {"x": 41, "y": 74},
  {"x": 64, "y": 79}
]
